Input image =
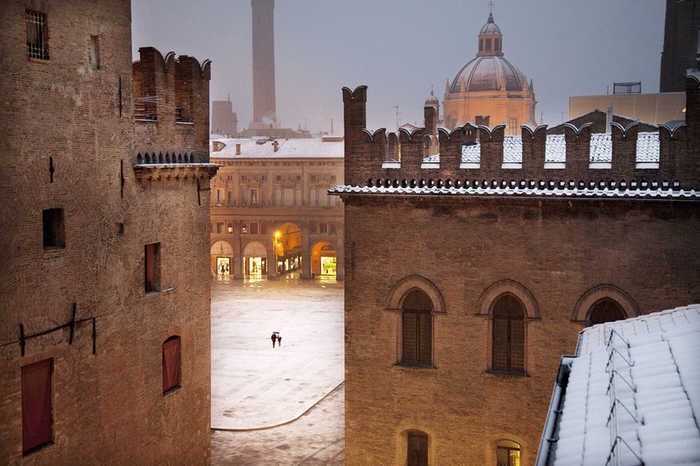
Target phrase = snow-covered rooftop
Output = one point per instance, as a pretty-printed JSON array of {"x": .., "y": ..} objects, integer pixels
[
  {"x": 601, "y": 150},
  {"x": 512, "y": 152},
  {"x": 648, "y": 150},
  {"x": 632, "y": 394},
  {"x": 286, "y": 148}
]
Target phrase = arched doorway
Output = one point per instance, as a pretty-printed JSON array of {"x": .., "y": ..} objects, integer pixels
[
  {"x": 288, "y": 248},
  {"x": 221, "y": 259},
  {"x": 605, "y": 310},
  {"x": 255, "y": 260},
  {"x": 323, "y": 260}
]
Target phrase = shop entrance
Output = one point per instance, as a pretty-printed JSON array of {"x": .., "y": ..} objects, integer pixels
[
  {"x": 255, "y": 260},
  {"x": 323, "y": 260},
  {"x": 221, "y": 260},
  {"x": 223, "y": 266},
  {"x": 287, "y": 244}
]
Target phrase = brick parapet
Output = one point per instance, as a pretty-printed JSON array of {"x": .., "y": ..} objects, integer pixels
[{"x": 366, "y": 151}]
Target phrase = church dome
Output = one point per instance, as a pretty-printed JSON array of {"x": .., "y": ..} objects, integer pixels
[{"x": 489, "y": 73}]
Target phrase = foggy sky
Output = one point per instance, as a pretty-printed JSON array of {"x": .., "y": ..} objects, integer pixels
[{"x": 402, "y": 48}]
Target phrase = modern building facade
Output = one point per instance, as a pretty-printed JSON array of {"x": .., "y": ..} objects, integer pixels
[
  {"x": 104, "y": 334},
  {"x": 489, "y": 90},
  {"x": 469, "y": 273},
  {"x": 270, "y": 209},
  {"x": 681, "y": 43}
]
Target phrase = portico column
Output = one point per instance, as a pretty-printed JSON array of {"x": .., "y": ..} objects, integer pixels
[
  {"x": 305, "y": 252},
  {"x": 339, "y": 257},
  {"x": 271, "y": 259},
  {"x": 237, "y": 251}
]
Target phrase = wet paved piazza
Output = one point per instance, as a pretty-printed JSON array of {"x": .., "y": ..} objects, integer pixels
[{"x": 257, "y": 387}]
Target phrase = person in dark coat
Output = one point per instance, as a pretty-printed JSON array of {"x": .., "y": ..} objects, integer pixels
[
  {"x": 273, "y": 338},
  {"x": 279, "y": 340}
]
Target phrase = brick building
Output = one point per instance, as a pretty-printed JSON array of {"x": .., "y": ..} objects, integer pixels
[
  {"x": 469, "y": 272},
  {"x": 681, "y": 43},
  {"x": 104, "y": 335},
  {"x": 270, "y": 205}
]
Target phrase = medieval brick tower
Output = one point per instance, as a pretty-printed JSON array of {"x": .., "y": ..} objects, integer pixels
[
  {"x": 264, "y": 112},
  {"x": 681, "y": 41}
]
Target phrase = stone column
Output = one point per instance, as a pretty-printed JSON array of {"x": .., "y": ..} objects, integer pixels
[
  {"x": 339, "y": 256},
  {"x": 237, "y": 251},
  {"x": 305, "y": 251}
]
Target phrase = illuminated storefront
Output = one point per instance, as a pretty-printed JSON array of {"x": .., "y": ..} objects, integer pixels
[
  {"x": 223, "y": 265},
  {"x": 255, "y": 260},
  {"x": 328, "y": 265},
  {"x": 221, "y": 259}
]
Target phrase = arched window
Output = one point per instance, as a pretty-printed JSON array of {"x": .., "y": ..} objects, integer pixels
[
  {"x": 507, "y": 453},
  {"x": 605, "y": 310},
  {"x": 416, "y": 448},
  {"x": 417, "y": 331},
  {"x": 171, "y": 364},
  {"x": 508, "y": 335}
]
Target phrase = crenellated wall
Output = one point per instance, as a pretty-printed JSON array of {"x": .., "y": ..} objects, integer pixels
[
  {"x": 628, "y": 153},
  {"x": 171, "y": 104}
]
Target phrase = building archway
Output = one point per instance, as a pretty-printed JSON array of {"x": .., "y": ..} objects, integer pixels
[
  {"x": 323, "y": 260},
  {"x": 287, "y": 245},
  {"x": 221, "y": 259},
  {"x": 255, "y": 260}
]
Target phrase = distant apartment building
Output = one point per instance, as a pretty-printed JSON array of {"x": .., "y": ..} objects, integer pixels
[{"x": 270, "y": 209}]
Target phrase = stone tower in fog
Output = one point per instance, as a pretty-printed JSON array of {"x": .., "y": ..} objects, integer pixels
[{"x": 264, "y": 111}]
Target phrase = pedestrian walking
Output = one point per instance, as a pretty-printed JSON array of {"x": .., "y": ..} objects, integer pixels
[
  {"x": 279, "y": 340},
  {"x": 273, "y": 338}
]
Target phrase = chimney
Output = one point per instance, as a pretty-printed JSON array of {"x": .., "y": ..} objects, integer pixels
[{"x": 238, "y": 149}]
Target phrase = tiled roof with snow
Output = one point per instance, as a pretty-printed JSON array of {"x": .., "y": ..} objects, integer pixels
[
  {"x": 632, "y": 394},
  {"x": 555, "y": 149},
  {"x": 644, "y": 190},
  {"x": 287, "y": 148},
  {"x": 601, "y": 148},
  {"x": 471, "y": 155},
  {"x": 648, "y": 150},
  {"x": 512, "y": 151}
]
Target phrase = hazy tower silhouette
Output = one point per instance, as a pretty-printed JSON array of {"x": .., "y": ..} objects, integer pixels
[
  {"x": 681, "y": 43},
  {"x": 264, "y": 107}
]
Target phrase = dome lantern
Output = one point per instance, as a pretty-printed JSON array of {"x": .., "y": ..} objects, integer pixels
[{"x": 490, "y": 39}]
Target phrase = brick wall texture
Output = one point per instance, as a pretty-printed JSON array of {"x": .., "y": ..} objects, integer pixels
[{"x": 108, "y": 407}]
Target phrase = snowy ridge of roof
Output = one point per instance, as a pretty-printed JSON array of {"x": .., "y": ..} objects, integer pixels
[
  {"x": 515, "y": 189},
  {"x": 555, "y": 148},
  {"x": 471, "y": 153},
  {"x": 601, "y": 147},
  {"x": 654, "y": 357},
  {"x": 286, "y": 148}
]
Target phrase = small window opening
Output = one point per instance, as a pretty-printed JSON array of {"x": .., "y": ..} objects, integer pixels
[
  {"x": 120, "y": 229},
  {"x": 323, "y": 227},
  {"x": 51, "y": 169},
  {"x": 605, "y": 310},
  {"x": 253, "y": 228},
  {"x": 219, "y": 227},
  {"x": 171, "y": 364},
  {"x": 37, "y": 415},
  {"x": 54, "y": 229},
  {"x": 488, "y": 45},
  {"x": 152, "y": 252},
  {"x": 95, "y": 52},
  {"x": 417, "y": 329},
  {"x": 37, "y": 35},
  {"x": 508, "y": 335}
]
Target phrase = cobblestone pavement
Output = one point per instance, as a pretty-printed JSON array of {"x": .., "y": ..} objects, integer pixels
[
  {"x": 255, "y": 386},
  {"x": 316, "y": 438}
]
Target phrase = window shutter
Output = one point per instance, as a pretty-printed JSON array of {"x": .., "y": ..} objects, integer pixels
[
  {"x": 500, "y": 343},
  {"x": 417, "y": 454},
  {"x": 425, "y": 337},
  {"x": 517, "y": 343},
  {"x": 171, "y": 363},
  {"x": 36, "y": 404},
  {"x": 410, "y": 337}
]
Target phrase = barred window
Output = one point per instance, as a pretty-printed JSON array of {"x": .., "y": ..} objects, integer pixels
[
  {"x": 37, "y": 35},
  {"x": 508, "y": 335},
  {"x": 417, "y": 334}
]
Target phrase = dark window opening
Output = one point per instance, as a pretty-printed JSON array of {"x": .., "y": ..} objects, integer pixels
[
  {"x": 253, "y": 197},
  {"x": 497, "y": 44},
  {"x": 54, "y": 229},
  {"x": 51, "y": 169},
  {"x": 37, "y": 35},
  {"x": 323, "y": 227},
  {"x": 37, "y": 418},
  {"x": 253, "y": 228},
  {"x": 508, "y": 335},
  {"x": 219, "y": 227},
  {"x": 482, "y": 120},
  {"x": 417, "y": 448},
  {"x": 152, "y": 252},
  {"x": 94, "y": 52},
  {"x": 120, "y": 229},
  {"x": 488, "y": 45},
  {"x": 171, "y": 364},
  {"x": 417, "y": 329},
  {"x": 605, "y": 310}
]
